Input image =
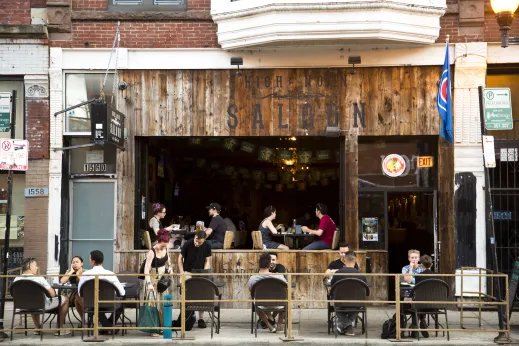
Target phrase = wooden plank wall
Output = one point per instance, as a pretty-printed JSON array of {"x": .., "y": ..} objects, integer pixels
[
  {"x": 307, "y": 287},
  {"x": 282, "y": 102}
]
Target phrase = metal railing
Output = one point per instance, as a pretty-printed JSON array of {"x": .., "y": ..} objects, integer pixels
[{"x": 289, "y": 301}]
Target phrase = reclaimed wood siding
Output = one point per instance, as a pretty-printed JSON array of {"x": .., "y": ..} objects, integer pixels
[
  {"x": 246, "y": 261},
  {"x": 280, "y": 102}
]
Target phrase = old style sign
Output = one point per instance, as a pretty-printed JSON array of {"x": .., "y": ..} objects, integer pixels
[
  {"x": 393, "y": 165},
  {"x": 5, "y": 112},
  {"x": 14, "y": 154},
  {"x": 425, "y": 161}
]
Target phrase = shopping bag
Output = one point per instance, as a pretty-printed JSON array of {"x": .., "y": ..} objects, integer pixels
[{"x": 149, "y": 316}]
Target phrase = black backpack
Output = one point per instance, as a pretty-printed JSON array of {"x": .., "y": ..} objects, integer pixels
[
  {"x": 389, "y": 327},
  {"x": 190, "y": 320}
]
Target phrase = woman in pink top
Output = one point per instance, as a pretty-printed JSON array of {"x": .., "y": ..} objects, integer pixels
[{"x": 325, "y": 232}]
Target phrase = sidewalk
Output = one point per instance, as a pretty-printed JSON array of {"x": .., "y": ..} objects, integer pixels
[{"x": 308, "y": 325}]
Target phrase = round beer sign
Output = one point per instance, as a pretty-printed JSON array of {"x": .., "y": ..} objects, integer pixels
[{"x": 393, "y": 165}]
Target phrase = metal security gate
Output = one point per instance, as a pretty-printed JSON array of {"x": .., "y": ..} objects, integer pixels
[{"x": 504, "y": 183}]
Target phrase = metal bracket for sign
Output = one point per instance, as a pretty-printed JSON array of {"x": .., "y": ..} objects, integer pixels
[{"x": 99, "y": 143}]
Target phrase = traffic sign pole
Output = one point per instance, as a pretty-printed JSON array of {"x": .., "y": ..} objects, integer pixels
[{"x": 5, "y": 257}]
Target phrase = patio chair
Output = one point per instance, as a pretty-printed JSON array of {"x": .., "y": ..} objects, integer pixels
[
  {"x": 257, "y": 240},
  {"x": 335, "y": 241},
  {"x": 107, "y": 291},
  {"x": 132, "y": 293},
  {"x": 348, "y": 289},
  {"x": 29, "y": 298},
  {"x": 227, "y": 242},
  {"x": 431, "y": 290},
  {"x": 273, "y": 289},
  {"x": 198, "y": 288}
]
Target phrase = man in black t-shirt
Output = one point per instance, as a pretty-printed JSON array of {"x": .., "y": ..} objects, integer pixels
[
  {"x": 195, "y": 254},
  {"x": 217, "y": 227},
  {"x": 275, "y": 267},
  {"x": 347, "y": 319},
  {"x": 340, "y": 263}
]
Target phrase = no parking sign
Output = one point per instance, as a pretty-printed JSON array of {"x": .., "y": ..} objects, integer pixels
[{"x": 14, "y": 154}]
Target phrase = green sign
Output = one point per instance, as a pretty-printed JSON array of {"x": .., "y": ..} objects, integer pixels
[
  {"x": 5, "y": 112},
  {"x": 497, "y": 105}
]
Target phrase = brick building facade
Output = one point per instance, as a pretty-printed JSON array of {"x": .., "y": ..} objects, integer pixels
[
  {"x": 81, "y": 34},
  {"x": 24, "y": 69}
]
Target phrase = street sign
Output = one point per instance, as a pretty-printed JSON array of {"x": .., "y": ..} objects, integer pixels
[
  {"x": 5, "y": 112},
  {"x": 425, "y": 161},
  {"x": 497, "y": 105},
  {"x": 14, "y": 154}
]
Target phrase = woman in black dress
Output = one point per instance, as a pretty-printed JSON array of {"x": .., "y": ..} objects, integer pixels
[{"x": 72, "y": 277}]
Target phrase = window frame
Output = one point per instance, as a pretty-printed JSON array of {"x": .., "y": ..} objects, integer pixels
[
  {"x": 64, "y": 101},
  {"x": 146, "y": 5}
]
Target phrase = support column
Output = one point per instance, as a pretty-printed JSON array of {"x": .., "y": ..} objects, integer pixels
[
  {"x": 470, "y": 72},
  {"x": 55, "y": 169},
  {"x": 352, "y": 189}
]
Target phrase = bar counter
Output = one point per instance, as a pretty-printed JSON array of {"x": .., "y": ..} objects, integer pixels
[{"x": 295, "y": 261}]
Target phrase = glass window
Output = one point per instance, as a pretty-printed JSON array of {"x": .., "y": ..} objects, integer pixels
[
  {"x": 8, "y": 87},
  {"x": 372, "y": 215},
  {"x": 146, "y": 5},
  {"x": 81, "y": 87},
  {"x": 17, "y": 210},
  {"x": 400, "y": 157}
]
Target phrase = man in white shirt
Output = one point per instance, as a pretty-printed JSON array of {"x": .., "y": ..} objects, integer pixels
[
  {"x": 29, "y": 270},
  {"x": 96, "y": 261}
]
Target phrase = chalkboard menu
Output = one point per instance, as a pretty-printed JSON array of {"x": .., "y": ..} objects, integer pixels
[{"x": 512, "y": 286}]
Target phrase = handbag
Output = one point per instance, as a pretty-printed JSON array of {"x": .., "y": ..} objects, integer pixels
[
  {"x": 163, "y": 284},
  {"x": 149, "y": 316}
]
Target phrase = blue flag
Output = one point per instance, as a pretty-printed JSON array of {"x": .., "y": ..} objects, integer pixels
[{"x": 444, "y": 99}]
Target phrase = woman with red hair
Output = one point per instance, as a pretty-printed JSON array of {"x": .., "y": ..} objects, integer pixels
[
  {"x": 158, "y": 258},
  {"x": 159, "y": 212}
]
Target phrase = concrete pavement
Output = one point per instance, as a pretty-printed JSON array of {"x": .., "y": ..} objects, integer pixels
[{"x": 309, "y": 327}]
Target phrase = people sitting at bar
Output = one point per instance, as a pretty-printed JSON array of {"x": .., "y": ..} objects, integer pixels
[
  {"x": 413, "y": 267},
  {"x": 30, "y": 272},
  {"x": 347, "y": 319},
  {"x": 264, "y": 267},
  {"x": 96, "y": 261},
  {"x": 267, "y": 228},
  {"x": 217, "y": 227},
  {"x": 325, "y": 232},
  {"x": 340, "y": 263},
  {"x": 72, "y": 277},
  {"x": 195, "y": 254},
  {"x": 427, "y": 263},
  {"x": 159, "y": 212}
]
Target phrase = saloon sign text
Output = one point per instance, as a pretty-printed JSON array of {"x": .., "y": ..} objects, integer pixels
[{"x": 286, "y": 89}]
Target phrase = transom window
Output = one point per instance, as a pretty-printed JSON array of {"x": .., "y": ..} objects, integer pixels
[{"x": 146, "y": 5}]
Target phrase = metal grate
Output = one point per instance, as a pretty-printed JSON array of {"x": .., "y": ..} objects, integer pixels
[{"x": 504, "y": 183}]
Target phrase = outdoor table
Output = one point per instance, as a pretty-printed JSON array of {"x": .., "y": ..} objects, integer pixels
[
  {"x": 295, "y": 236},
  {"x": 73, "y": 289}
]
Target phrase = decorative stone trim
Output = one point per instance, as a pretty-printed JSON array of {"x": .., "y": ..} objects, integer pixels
[{"x": 36, "y": 86}]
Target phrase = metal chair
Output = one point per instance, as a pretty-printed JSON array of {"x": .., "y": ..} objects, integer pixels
[
  {"x": 29, "y": 298},
  {"x": 107, "y": 291},
  {"x": 268, "y": 289},
  {"x": 132, "y": 293},
  {"x": 348, "y": 289},
  {"x": 431, "y": 290},
  {"x": 198, "y": 288}
]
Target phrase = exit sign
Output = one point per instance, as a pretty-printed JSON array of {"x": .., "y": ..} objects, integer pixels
[{"x": 425, "y": 161}]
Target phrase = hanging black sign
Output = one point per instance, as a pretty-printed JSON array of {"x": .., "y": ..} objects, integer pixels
[{"x": 107, "y": 124}]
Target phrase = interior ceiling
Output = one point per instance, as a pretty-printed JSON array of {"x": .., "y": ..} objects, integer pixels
[{"x": 213, "y": 149}]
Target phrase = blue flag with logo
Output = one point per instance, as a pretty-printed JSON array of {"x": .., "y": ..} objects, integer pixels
[{"x": 444, "y": 99}]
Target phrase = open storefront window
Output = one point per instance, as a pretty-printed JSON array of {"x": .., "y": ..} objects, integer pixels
[{"x": 80, "y": 87}]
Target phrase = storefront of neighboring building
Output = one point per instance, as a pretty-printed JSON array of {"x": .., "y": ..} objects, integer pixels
[{"x": 24, "y": 99}]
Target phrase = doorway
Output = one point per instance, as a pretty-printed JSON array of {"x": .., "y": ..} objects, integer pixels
[
  {"x": 411, "y": 220},
  {"x": 92, "y": 219}
]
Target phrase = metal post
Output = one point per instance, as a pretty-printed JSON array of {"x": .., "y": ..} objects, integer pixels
[
  {"x": 5, "y": 257},
  {"x": 461, "y": 298},
  {"x": 96, "y": 306},
  {"x": 507, "y": 297},
  {"x": 490, "y": 226},
  {"x": 397, "y": 298},
  {"x": 183, "y": 307},
  {"x": 289, "y": 307}
]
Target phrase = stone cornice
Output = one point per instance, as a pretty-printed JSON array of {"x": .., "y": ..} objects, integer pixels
[
  {"x": 144, "y": 16},
  {"x": 274, "y": 7}
]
